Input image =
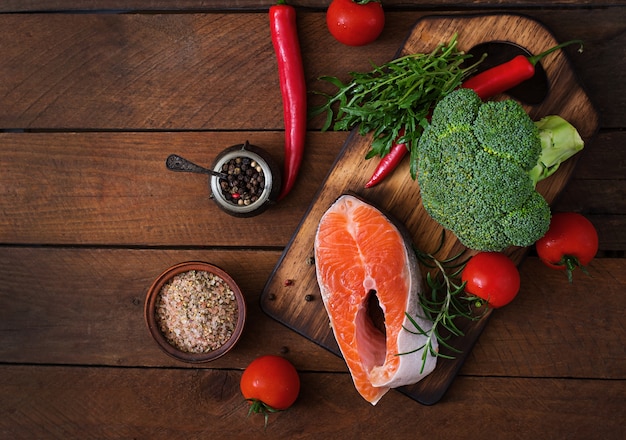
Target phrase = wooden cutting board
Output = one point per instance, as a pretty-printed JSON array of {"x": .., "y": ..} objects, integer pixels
[{"x": 291, "y": 295}]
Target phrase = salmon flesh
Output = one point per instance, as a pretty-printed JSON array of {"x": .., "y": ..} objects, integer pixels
[{"x": 360, "y": 257}]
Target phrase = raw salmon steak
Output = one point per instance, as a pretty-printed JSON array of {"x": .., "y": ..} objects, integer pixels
[{"x": 359, "y": 254}]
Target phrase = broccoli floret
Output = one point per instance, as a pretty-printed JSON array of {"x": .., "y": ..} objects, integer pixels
[
  {"x": 526, "y": 220},
  {"x": 454, "y": 117},
  {"x": 504, "y": 129},
  {"x": 474, "y": 165}
]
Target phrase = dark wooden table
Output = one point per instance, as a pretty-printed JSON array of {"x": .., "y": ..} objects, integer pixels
[{"x": 94, "y": 96}]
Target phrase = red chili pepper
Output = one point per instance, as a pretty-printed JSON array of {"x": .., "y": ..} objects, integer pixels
[
  {"x": 486, "y": 84},
  {"x": 293, "y": 89},
  {"x": 505, "y": 76},
  {"x": 388, "y": 162}
]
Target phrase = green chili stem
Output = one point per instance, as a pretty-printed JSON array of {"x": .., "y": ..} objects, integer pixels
[{"x": 536, "y": 58}]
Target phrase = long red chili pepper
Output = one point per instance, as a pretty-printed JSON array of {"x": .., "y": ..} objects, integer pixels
[
  {"x": 293, "y": 89},
  {"x": 486, "y": 84}
]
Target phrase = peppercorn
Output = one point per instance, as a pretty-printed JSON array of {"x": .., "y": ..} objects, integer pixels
[{"x": 245, "y": 181}]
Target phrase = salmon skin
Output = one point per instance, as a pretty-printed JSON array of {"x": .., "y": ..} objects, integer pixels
[{"x": 361, "y": 253}]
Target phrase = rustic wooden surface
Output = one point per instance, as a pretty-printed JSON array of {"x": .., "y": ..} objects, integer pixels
[{"x": 92, "y": 104}]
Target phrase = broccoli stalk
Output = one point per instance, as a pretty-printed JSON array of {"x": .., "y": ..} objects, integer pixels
[{"x": 559, "y": 141}]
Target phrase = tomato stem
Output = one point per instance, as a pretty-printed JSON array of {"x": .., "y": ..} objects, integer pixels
[
  {"x": 259, "y": 407},
  {"x": 570, "y": 263}
]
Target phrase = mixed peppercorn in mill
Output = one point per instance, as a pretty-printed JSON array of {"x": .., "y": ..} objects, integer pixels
[{"x": 245, "y": 182}]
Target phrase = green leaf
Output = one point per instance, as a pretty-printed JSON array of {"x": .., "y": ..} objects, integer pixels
[{"x": 396, "y": 94}]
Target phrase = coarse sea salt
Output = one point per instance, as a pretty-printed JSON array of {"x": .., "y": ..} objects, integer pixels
[{"x": 196, "y": 311}]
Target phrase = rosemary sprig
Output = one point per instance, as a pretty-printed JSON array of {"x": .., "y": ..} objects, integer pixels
[
  {"x": 444, "y": 304},
  {"x": 394, "y": 96}
]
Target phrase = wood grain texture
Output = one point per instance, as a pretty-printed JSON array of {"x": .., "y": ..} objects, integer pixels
[
  {"x": 556, "y": 329},
  {"x": 80, "y": 183},
  {"x": 163, "y": 71},
  {"x": 69, "y": 402},
  {"x": 91, "y": 105},
  {"x": 180, "y": 71},
  {"x": 124, "y": 71},
  {"x": 219, "y": 5},
  {"x": 182, "y": 5},
  {"x": 81, "y": 186},
  {"x": 394, "y": 196},
  {"x": 85, "y": 307}
]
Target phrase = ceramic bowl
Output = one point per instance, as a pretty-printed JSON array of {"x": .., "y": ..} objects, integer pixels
[{"x": 187, "y": 300}]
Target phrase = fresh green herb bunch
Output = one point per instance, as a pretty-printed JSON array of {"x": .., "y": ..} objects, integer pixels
[
  {"x": 395, "y": 96},
  {"x": 444, "y": 302}
]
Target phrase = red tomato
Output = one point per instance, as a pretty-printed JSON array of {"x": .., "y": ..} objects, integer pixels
[
  {"x": 355, "y": 22},
  {"x": 493, "y": 277},
  {"x": 571, "y": 242},
  {"x": 270, "y": 383}
]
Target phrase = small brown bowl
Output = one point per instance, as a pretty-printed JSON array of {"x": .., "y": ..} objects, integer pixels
[{"x": 205, "y": 279}]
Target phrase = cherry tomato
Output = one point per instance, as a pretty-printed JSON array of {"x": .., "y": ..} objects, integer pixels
[
  {"x": 355, "y": 22},
  {"x": 493, "y": 277},
  {"x": 270, "y": 383},
  {"x": 571, "y": 242}
]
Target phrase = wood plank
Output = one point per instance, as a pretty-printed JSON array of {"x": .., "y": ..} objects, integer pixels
[
  {"x": 593, "y": 65},
  {"x": 598, "y": 189},
  {"x": 553, "y": 328},
  {"x": 106, "y": 71},
  {"x": 611, "y": 232},
  {"x": 59, "y": 304},
  {"x": 136, "y": 71},
  {"x": 80, "y": 185},
  {"x": 594, "y": 196},
  {"x": 66, "y": 402},
  {"x": 604, "y": 158},
  {"x": 195, "y": 5},
  {"x": 85, "y": 306},
  {"x": 351, "y": 172},
  {"x": 155, "y": 71}
]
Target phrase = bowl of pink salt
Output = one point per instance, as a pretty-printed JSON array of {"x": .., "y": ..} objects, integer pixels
[{"x": 195, "y": 312}]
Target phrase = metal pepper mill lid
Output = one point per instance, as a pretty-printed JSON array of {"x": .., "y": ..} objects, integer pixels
[{"x": 246, "y": 181}]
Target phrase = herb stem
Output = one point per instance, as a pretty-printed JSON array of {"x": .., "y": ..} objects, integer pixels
[{"x": 446, "y": 303}]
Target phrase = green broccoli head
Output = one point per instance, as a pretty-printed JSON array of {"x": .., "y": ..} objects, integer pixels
[
  {"x": 504, "y": 129},
  {"x": 473, "y": 163}
]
